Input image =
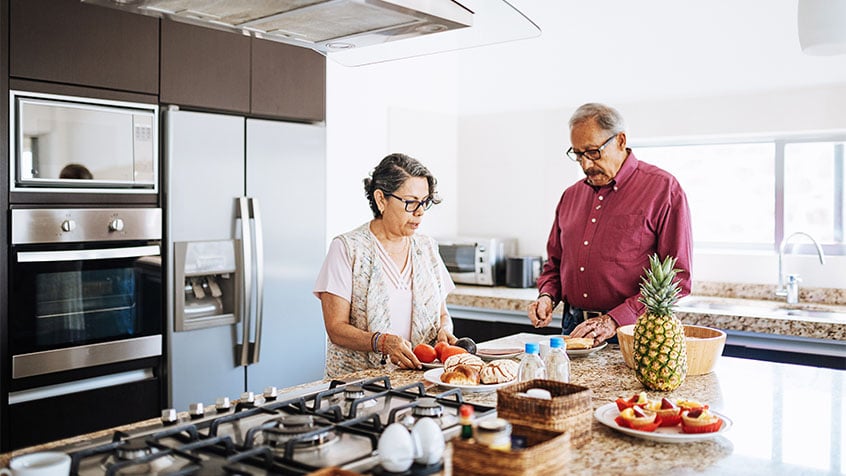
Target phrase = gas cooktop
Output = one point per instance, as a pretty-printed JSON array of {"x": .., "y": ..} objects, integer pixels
[{"x": 338, "y": 426}]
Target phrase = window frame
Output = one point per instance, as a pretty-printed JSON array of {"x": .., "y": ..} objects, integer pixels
[{"x": 779, "y": 142}]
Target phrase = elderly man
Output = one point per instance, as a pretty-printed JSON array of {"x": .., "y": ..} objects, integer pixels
[{"x": 606, "y": 227}]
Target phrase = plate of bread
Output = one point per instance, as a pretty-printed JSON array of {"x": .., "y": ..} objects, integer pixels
[
  {"x": 472, "y": 374},
  {"x": 581, "y": 346}
]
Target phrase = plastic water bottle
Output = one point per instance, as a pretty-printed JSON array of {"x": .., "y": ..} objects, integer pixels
[
  {"x": 557, "y": 361},
  {"x": 531, "y": 365}
]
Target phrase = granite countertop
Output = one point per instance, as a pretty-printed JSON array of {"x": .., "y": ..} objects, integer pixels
[
  {"x": 786, "y": 418},
  {"x": 831, "y": 328}
]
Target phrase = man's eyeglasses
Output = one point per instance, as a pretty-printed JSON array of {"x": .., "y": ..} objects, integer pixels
[
  {"x": 590, "y": 154},
  {"x": 411, "y": 206}
]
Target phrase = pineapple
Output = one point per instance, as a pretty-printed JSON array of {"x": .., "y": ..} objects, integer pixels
[{"x": 660, "y": 352}]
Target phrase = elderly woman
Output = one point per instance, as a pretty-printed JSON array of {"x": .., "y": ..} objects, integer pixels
[{"x": 383, "y": 288}]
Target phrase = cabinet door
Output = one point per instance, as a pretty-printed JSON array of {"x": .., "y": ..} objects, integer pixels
[
  {"x": 66, "y": 41},
  {"x": 204, "y": 68},
  {"x": 288, "y": 82}
]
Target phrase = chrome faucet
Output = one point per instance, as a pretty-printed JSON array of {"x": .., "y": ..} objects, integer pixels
[{"x": 791, "y": 291}]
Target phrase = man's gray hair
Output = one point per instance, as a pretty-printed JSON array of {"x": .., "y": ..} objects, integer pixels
[{"x": 606, "y": 117}]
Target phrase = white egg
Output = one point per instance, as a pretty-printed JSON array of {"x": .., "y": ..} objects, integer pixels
[
  {"x": 428, "y": 441},
  {"x": 396, "y": 448}
]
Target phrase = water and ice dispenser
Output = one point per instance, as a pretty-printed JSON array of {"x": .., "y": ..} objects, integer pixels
[{"x": 206, "y": 290}]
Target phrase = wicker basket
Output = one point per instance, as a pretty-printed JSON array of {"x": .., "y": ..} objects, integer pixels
[
  {"x": 569, "y": 410},
  {"x": 546, "y": 453}
]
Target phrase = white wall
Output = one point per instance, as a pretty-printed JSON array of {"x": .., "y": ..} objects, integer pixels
[
  {"x": 404, "y": 106},
  {"x": 513, "y": 170}
]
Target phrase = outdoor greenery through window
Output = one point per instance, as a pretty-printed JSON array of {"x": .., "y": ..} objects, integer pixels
[{"x": 750, "y": 195}]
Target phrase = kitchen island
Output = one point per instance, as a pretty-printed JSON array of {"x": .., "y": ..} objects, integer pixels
[{"x": 787, "y": 419}]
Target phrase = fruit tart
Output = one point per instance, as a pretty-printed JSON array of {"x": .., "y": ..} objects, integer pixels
[
  {"x": 688, "y": 405},
  {"x": 636, "y": 399},
  {"x": 637, "y": 418},
  {"x": 669, "y": 412},
  {"x": 700, "y": 421}
]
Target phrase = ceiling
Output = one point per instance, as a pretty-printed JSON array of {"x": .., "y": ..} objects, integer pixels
[{"x": 631, "y": 51}]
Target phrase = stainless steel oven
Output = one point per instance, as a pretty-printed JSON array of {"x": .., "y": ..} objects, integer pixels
[{"x": 85, "y": 318}]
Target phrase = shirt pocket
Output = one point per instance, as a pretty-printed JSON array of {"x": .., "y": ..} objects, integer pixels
[{"x": 622, "y": 239}]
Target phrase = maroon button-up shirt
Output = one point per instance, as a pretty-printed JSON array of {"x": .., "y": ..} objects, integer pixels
[{"x": 602, "y": 238}]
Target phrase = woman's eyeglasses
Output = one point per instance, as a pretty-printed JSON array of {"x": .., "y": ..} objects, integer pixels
[
  {"x": 412, "y": 206},
  {"x": 590, "y": 154}
]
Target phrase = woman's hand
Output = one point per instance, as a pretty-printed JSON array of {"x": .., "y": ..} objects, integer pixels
[
  {"x": 446, "y": 336},
  {"x": 599, "y": 328},
  {"x": 399, "y": 352}
]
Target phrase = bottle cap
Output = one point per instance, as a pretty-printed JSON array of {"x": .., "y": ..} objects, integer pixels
[
  {"x": 556, "y": 343},
  {"x": 532, "y": 348},
  {"x": 466, "y": 411}
]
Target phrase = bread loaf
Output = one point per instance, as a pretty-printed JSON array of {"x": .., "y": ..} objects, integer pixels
[
  {"x": 499, "y": 371},
  {"x": 461, "y": 375},
  {"x": 578, "y": 342},
  {"x": 469, "y": 360}
]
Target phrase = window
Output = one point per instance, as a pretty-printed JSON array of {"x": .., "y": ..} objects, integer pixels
[{"x": 751, "y": 194}]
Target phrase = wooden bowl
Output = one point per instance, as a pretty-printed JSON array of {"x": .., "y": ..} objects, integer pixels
[{"x": 704, "y": 346}]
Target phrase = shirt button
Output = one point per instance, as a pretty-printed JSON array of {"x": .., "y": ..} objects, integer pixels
[
  {"x": 601, "y": 197},
  {"x": 581, "y": 268},
  {"x": 615, "y": 188},
  {"x": 593, "y": 220},
  {"x": 586, "y": 243},
  {"x": 584, "y": 295},
  {"x": 598, "y": 207}
]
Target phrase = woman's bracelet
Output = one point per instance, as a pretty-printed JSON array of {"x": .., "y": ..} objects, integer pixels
[
  {"x": 374, "y": 341},
  {"x": 379, "y": 348}
]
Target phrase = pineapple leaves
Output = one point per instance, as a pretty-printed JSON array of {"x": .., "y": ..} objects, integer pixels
[{"x": 659, "y": 291}]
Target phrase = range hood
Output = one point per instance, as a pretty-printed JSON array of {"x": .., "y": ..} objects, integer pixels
[{"x": 351, "y": 32}]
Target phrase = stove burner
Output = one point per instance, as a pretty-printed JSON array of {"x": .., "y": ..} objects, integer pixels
[
  {"x": 293, "y": 426},
  {"x": 353, "y": 392},
  {"x": 132, "y": 449},
  {"x": 428, "y": 407}
]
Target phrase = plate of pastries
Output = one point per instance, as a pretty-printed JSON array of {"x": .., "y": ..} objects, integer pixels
[
  {"x": 472, "y": 374},
  {"x": 664, "y": 420}
]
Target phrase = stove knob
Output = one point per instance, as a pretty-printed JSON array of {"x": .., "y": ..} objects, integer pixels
[
  {"x": 270, "y": 393},
  {"x": 196, "y": 410},
  {"x": 116, "y": 225},
  {"x": 169, "y": 416},
  {"x": 68, "y": 225},
  {"x": 247, "y": 400},
  {"x": 223, "y": 405}
]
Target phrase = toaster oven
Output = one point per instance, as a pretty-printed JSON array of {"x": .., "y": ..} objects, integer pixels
[{"x": 478, "y": 261}]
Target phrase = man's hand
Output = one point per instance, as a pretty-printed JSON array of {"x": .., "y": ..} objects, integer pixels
[
  {"x": 540, "y": 311},
  {"x": 599, "y": 328}
]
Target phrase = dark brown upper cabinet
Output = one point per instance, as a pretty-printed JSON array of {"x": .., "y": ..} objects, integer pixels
[
  {"x": 287, "y": 81},
  {"x": 204, "y": 68},
  {"x": 66, "y": 41}
]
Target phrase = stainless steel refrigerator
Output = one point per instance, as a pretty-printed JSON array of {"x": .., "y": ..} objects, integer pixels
[{"x": 263, "y": 326}]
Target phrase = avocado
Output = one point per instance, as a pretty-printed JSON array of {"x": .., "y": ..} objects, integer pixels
[{"x": 467, "y": 344}]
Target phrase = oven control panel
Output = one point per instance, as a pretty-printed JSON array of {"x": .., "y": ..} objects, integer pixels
[{"x": 58, "y": 225}]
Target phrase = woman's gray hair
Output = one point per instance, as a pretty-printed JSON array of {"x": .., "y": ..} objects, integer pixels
[
  {"x": 608, "y": 118},
  {"x": 391, "y": 173}
]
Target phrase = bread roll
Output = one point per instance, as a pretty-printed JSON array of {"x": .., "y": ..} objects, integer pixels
[
  {"x": 469, "y": 360},
  {"x": 578, "y": 342},
  {"x": 461, "y": 375},
  {"x": 499, "y": 371}
]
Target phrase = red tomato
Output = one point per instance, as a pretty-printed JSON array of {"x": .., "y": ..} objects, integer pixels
[
  {"x": 425, "y": 353},
  {"x": 451, "y": 350},
  {"x": 439, "y": 349}
]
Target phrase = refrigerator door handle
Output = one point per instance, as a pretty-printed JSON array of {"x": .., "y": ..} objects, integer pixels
[
  {"x": 255, "y": 215},
  {"x": 242, "y": 356}
]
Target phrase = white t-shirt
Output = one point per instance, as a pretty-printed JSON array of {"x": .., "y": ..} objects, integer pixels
[{"x": 336, "y": 278}]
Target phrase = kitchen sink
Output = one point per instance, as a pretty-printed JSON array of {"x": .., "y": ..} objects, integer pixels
[{"x": 744, "y": 307}]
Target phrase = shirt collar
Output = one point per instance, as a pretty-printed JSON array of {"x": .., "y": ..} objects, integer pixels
[{"x": 626, "y": 171}]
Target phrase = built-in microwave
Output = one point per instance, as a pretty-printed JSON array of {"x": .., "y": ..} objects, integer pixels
[
  {"x": 74, "y": 144},
  {"x": 479, "y": 261}
]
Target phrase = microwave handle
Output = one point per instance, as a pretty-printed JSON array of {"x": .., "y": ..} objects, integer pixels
[
  {"x": 255, "y": 215},
  {"x": 87, "y": 255},
  {"x": 242, "y": 349}
]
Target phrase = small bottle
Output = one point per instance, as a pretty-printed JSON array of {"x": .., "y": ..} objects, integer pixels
[
  {"x": 531, "y": 365},
  {"x": 465, "y": 413},
  {"x": 557, "y": 361},
  {"x": 495, "y": 434}
]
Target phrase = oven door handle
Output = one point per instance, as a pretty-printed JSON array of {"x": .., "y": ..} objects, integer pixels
[{"x": 87, "y": 255}]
